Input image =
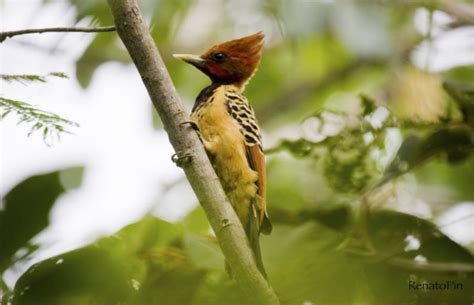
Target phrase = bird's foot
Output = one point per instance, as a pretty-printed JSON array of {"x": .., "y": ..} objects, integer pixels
[
  {"x": 181, "y": 159},
  {"x": 192, "y": 124}
]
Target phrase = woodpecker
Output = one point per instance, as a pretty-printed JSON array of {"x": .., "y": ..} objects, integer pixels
[{"x": 229, "y": 131}]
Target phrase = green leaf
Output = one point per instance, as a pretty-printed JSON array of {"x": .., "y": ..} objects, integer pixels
[
  {"x": 23, "y": 78},
  {"x": 308, "y": 263},
  {"x": 463, "y": 74},
  {"x": 368, "y": 104},
  {"x": 26, "y": 213},
  {"x": 456, "y": 177},
  {"x": 59, "y": 74},
  {"x": 396, "y": 263},
  {"x": 463, "y": 95},
  {"x": 141, "y": 264},
  {"x": 148, "y": 234},
  {"x": 71, "y": 178},
  {"x": 155, "y": 262},
  {"x": 388, "y": 231},
  {"x": 455, "y": 143},
  {"x": 89, "y": 275}
]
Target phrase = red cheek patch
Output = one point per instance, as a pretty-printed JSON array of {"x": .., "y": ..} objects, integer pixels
[{"x": 216, "y": 69}]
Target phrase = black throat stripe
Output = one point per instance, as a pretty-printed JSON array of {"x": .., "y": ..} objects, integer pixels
[{"x": 205, "y": 96}]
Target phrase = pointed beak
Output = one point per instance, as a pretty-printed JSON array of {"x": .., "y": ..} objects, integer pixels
[{"x": 194, "y": 60}]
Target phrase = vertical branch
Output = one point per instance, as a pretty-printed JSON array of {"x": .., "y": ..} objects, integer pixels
[{"x": 233, "y": 242}]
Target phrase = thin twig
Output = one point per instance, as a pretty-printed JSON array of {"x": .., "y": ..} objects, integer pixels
[
  {"x": 190, "y": 152},
  {"x": 9, "y": 34},
  {"x": 411, "y": 264}
]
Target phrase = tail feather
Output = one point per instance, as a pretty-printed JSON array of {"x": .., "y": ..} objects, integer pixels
[
  {"x": 252, "y": 231},
  {"x": 266, "y": 226},
  {"x": 253, "y": 234}
]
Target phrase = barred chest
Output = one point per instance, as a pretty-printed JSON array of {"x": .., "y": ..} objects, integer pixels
[
  {"x": 226, "y": 127},
  {"x": 222, "y": 106}
]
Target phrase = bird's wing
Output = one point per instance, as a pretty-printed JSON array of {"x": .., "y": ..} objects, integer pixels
[{"x": 242, "y": 112}]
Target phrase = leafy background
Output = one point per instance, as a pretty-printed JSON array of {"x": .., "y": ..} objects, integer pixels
[{"x": 369, "y": 129}]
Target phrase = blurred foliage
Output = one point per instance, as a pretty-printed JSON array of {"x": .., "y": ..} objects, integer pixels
[
  {"x": 453, "y": 140},
  {"x": 463, "y": 95},
  {"x": 344, "y": 144},
  {"x": 25, "y": 213},
  {"x": 155, "y": 262},
  {"x": 347, "y": 144},
  {"x": 105, "y": 48},
  {"x": 361, "y": 130}
]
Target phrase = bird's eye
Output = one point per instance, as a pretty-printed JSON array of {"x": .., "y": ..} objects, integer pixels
[{"x": 218, "y": 56}]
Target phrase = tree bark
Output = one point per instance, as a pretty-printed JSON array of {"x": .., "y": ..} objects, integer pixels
[{"x": 193, "y": 158}]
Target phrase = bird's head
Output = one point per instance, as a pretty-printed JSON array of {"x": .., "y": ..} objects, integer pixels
[{"x": 232, "y": 62}]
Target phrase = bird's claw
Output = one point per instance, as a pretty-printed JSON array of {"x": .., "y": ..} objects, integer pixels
[
  {"x": 181, "y": 159},
  {"x": 192, "y": 124}
]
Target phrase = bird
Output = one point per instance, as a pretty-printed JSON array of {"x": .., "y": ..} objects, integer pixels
[{"x": 229, "y": 131}]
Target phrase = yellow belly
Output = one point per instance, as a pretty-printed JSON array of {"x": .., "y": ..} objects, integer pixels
[{"x": 225, "y": 145}]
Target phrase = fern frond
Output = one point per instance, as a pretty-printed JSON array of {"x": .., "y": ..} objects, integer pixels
[
  {"x": 29, "y": 78},
  {"x": 51, "y": 124}
]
